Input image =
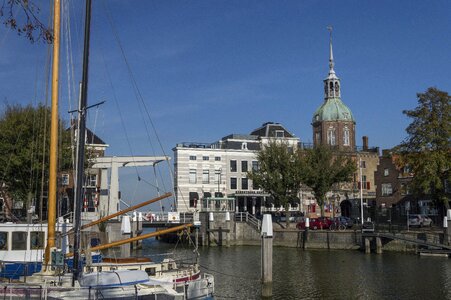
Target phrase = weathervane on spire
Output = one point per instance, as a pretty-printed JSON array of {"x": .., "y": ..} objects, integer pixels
[{"x": 331, "y": 54}]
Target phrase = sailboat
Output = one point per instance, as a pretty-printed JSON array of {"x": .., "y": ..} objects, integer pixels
[{"x": 54, "y": 282}]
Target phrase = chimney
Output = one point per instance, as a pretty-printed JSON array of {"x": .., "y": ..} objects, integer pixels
[{"x": 365, "y": 143}]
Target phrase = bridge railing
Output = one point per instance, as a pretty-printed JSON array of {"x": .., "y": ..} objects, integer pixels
[
  {"x": 169, "y": 217},
  {"x": 249, "y": 219}
]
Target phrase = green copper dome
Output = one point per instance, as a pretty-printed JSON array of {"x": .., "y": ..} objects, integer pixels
[{"x": 333, "y": 109}]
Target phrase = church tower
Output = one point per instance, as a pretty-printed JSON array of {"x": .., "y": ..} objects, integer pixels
[{"x": 333, "y": 123}]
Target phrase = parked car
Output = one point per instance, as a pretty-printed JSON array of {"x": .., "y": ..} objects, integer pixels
[
  {"x": 315, "y": 223},
  {"x": 419, "y": 220},
  {"x": 427, "y": 221}
]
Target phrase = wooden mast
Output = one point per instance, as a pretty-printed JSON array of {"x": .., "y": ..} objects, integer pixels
[
  {"x": 81, "y": 144},
  {"x": 51, "y": 206}
]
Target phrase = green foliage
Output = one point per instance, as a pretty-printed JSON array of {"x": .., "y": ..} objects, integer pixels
[
  {"x": 278, "y": 173},
  {"x": 427, "y": 149},
  {"x": 322, "y": 168},
  {"x": 22, "y": 149}
]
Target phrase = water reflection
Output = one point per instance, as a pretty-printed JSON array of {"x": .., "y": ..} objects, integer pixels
[{"x": 322, "y": 274}]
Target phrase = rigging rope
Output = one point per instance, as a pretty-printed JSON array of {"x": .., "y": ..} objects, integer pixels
[{"x": 141, "y": 102}]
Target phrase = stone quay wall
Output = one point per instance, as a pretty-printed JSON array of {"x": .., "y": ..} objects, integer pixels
[{"x": 222, "y": 232}]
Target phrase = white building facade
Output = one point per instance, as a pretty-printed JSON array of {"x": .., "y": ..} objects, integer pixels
[{"x": 220, "y": 170}]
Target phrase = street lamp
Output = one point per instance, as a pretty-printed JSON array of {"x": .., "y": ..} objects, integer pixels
[{"x": 361, "y": 191}]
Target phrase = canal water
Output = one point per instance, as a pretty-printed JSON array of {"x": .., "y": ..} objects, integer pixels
[{"x": 318, "y": 274}]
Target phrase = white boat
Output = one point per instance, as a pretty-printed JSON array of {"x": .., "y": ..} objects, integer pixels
[
  {"x": 184, "y": 278},
  {"x": 22, "y": 247}
]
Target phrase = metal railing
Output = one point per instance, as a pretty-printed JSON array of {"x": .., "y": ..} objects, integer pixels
[
  {"x": 249, "y": 219},
  {"x": 163, "y": 217}
]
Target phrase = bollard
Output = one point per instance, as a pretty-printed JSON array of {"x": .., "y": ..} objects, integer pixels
[
  {"x": 211, "y": 221},
  {"x": 228, "y": 227},
  {"x": 266, "y": 254},
  {"x": 448, "y": 227}
]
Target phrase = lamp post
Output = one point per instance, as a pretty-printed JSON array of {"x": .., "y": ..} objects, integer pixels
[
  {"x": 361, "y": 192},
  {"x": 219, "y": 180}
]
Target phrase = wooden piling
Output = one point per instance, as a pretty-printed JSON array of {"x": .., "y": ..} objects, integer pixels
[
  {"x": 367, "y": 246},
  {"x": 378, "y": 245}
]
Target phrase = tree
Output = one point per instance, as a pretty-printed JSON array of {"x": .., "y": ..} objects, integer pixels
[
  {"x": 278, "y": 173},
  {"x": 427, "y": 148},
  {"x": 24, "y": 148},
  {"x": 29, "y": 25},
  {"x": 322, "y": 168}
]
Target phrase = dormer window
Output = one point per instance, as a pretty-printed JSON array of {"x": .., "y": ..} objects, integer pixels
[
  {"x": 244, "y": 146},
  {"x": 280, "y": 133}
]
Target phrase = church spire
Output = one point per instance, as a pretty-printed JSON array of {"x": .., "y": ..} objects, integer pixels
[
  {"x": 332, "y": 82},
  {"x": 331, "y": 52}
]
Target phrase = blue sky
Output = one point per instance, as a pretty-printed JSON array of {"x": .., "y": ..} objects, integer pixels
[{"x": 206, "y": 69}]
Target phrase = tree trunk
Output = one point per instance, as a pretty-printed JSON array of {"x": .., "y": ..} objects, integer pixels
[{"x": 287, "y": 216}]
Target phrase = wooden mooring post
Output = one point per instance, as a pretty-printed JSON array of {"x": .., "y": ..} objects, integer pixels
[{"x": 267, "y": 236}]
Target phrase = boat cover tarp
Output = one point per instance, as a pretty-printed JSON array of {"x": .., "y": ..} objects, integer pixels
[{"x": 113, "y": 278}]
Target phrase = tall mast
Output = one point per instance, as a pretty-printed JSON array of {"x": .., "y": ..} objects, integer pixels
[
  {"x": 81, "y": 145},
  {"x": 51, "y": 206}
]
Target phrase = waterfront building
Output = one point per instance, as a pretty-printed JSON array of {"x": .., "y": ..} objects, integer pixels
[
  {"x": 219, "y": 170},
  {"x": 95, "y": 147},
  {"x": 394, "y": 189}
]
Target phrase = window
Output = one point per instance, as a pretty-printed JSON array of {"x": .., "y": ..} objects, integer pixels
[
  {"x": 193, "y": 197},
  {"x": 65, "y": 179},
  {"x": 91, "y": 180},
  {"x": 280, "y": 133},
  {"x": 255, "y": 165},
  {"x": 192, "y": 176},
  {"x": 233, "y": 183},
  {"x": 331, "y": 136},
  {"x": 406, "y": 169},
  {"x": 205, "y": 158},
  {"x": 151, "y": 271},
  {"x": 244, "y": 184},
  {"x": 405, "y": 189},
  {"x": 217, "y": 158},
  {"x": 366, "y": 185},
  {"x": 346, "y": 136},
  {"x": 387, "y": 189},
  {"x": 244, "y": 146},
  {"x": 233, "y": 166},
  {"x": 192, "y": 157},
  {"x": 19, "y": 241},
  {"x": 243, "y": 166},
  {"x": 386, "y": 172},
  {"x": 218, "y": 176},
  {"x": 3, "y": 240},
  {"x": 37, "y": 240},
  {"x": 363, "y": 164},
  {"x": 205, "y": 176}
]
